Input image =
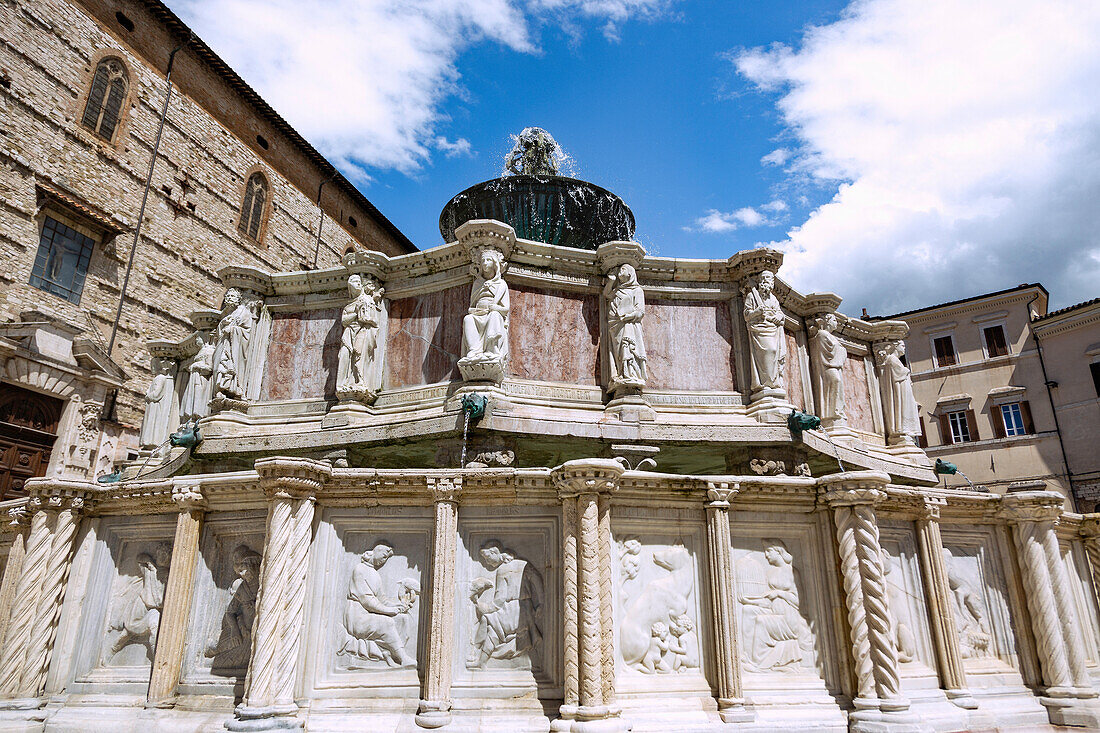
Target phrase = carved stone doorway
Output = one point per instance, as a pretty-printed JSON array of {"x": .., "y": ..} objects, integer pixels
[{"x": 28, "y": 429}]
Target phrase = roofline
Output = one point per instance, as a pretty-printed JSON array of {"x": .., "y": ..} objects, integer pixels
[
  {"x": 961, "y": 301},
  {"x": 164, "y": 14},
  {"x": 1067, "y": 310}
]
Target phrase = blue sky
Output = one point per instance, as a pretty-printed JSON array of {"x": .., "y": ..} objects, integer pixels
[{"x": 900, "y": 152}]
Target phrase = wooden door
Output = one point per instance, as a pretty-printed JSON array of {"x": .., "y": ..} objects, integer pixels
[{"x": 28, "y": 430}]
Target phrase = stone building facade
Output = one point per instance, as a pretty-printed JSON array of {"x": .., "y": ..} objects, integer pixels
[
  {"x": 1010, "y": 392},
  {"x": 82, "y": 87}
]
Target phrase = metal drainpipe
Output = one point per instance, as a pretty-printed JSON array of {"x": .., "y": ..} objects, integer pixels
[
  {"x": 145, "y": 194},
  {"x": 321, "y": 213},
  {"x": 1053, "y": 410}
]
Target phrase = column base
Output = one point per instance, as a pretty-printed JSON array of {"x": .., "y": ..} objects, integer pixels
[
  {"x": 273, "y": 717},
  {"x": 23, "y": 703},
  {"x": 1072, "y": 711},
  {"x": 770, "y": 406},
  {"x": 962, "y": 699},
  {"x": 631, "y": 408},
  {"x": 884, "y": 716},
  {"x": 433, "y": 713},
  {"x": 734, "y": 711}
]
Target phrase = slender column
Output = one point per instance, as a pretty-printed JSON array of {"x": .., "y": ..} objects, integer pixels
[
  {"x": 1067, "y": 614},
  {"x": 18, "y": 632},
  {"x": 434, "y": 710},
  {"x": 1090, "y": 531},
  {"x": 20, "y": 525},
  {"x": 945, "y": 633},
  {"x": 731, "y": 703},
  {"x": 178, "y": 596},
  {"x": 587, "y": 484},
  {"x": 291, "y": 485},
  {"x": 852, "y": 497}
]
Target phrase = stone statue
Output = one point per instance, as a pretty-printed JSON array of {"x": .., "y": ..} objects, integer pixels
[
  {"x": 158, "y": 405},
  {"x": 507, "y": 607},
  {"x": 625, "y": 309},
  {"x": 231, "y": 651},
  {"x": 231, "y": 353},
  {"x": 900, "y": 406},
  {"x": 378, "y": 622},
  {"x": 136, "y": 615},
  {"x": 534, "y": 154},
  {"x": 485, "y": 326},
  {"x": 655, "y": 636},
  {"x": 359, "y": 342},
  {"x": 974, "y": 637},
  {"x": 829, "y": 356},
  {"x": 767, "y": 340},
  {"x": 777, "y": 636},
  {"x": 196, "y": 392}
]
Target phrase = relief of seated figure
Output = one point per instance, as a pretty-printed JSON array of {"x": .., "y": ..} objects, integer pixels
[
  {"x": 777, "y": 636},
  {"x": 231, "y": 651},
  {"x": 377, "y": 619}
]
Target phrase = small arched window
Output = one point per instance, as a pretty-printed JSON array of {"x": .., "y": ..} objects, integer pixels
[
  {"x": 105, "y": 100},
  {"x": 252, "y": 209}
]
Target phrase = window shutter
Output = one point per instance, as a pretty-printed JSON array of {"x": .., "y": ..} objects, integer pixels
[
  {"x": 945, "y": 429},
  {"x": 922, "y": 441},
  {"x": 972, "y": 425},
  {"x": 998, "y": 422},
  {"x": 1025, "y": 411}
]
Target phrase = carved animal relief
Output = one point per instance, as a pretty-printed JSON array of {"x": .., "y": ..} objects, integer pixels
[
  {"x": 658, "y": 631},
  {"x": 969, "y": 608}
]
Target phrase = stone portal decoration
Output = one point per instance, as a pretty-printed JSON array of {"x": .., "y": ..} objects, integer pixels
[
  {"x": 231, "y": 352},
  {"x": 135, "y": 615},
  {"x": 158, "y": 405},
  {"x": 974, "y": 636},
  {"x": 359, "y": 342},
  {"x": 829, "y": 356},
  {"x": 378, "y": 619},
  {"x": 899, "y": 405},
  {"x": 234, "y": 644},
  {"x": 199, "y": 370},
  {"x": 776, "y": 636},
  {"x": 507, "y": 605},
  {"x": 767, "y": 341},
  {"x": 625, "y": 309},
  {"x": 485, "y": 326},
  {"x": 658, "y": 635}
]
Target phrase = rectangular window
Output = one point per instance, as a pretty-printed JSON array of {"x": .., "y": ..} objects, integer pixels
[
  {"x": 945, "y": 351},
  {"x": 960, "y": 427},
  {"x": 62, "y": 260},
  {"x": 995, "y": 342},
  {"x": 1095, "y": 367},
  {"x": 1013, "y": 419}
]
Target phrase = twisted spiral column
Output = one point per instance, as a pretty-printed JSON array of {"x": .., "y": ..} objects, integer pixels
[
  {"x": 853, "y": 592},
  {"x": 20, "y": 524},
  {"x": 589, "y": 615},
  {"x": 570, "y": 697},
  {"x": 606, "y": 604},
  {"x": 262, "y": 671},
  {"x": 1067, "y": 611},
  {"x": 294, "y": 593},
  {"x": 1090, "y": 531},
  {"x": 434, "y": 709},
  {"x": 18, "y": 633},
  {"x": 884, "y": 652}
]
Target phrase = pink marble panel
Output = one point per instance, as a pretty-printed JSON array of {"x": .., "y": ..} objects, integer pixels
[
  {"x": 689, "y": 345},
  {"x": 554, "y": 335},
  {"x": 425, "y": 337},
  {"x": 857, "y": 396},
  {"x": 301, "y": 356},
  {"x": 793, "y": 373}
]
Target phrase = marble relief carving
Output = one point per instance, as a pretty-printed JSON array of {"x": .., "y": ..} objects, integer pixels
[
  {"x": 229, "y": 652},
  {"x": 658, "y": 634},
  {"x": 901, "y": 629},
  {"x": 767, "y": 341},
  {"x": 776, "y": 636},
  {"x": 231, "y": 352},
  {"x": 198, "y": 371},
  {"x": 625, "y": 310},
  {"x": 379, "y": 617},
  {"x": 508, "y": 607},
  {"x": 485, "y": 325},
  {"x": 136, "y": 603},
  {"x": 355, "y": 374},
  {"x": 968, "y": 606}
]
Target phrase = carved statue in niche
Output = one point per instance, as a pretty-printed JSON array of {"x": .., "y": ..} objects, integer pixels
[
  {"x": 777, "y": 636},
  {"x": 767, "y": 340},
  {"x": 231, "y": 352},
  {"x": 359, "y": 341},
  {"x": 234, "y": 644},
  {"x": 158, "y": 405},
  {"x": 378, "y": 620},
  {"x": 135, "y": 615},
  {"x": 507, "y": 606},
  {"x": 829, "y": 357},
  {"x": 974, "y": 637},
  {"x": 900, "y": 630},
  {"x": 196, "y": 392},
  {"x": 658, "y": 635},
  {"x": 625, "y": 309},
  {"x": 485, "y": 325},
  {"x": 900, "y": 406}
]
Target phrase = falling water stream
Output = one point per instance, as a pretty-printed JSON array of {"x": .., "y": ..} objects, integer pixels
[
  {"x": 465, "y": 431},
  {"x": 836, "y": 451}
]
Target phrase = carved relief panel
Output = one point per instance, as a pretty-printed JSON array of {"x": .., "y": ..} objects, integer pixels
[{"x": 906, "y": 599}]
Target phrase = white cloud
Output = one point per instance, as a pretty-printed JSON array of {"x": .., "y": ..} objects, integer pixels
[
  {"x": 775, "y": 206},
  {"x": 366, "y": 80},
  {"x": 779, "y": 156},
  {"x": 717, "y": 222},
  {"x": 461, "y": 146},
  {"x": 963, "y": 140}
]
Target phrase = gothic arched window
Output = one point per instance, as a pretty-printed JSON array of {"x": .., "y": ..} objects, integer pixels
[
  {"x": 106, "y": 97},
  {"x": 252, "y": 208}
]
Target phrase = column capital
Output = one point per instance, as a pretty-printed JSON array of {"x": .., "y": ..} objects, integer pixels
[
  {"x": 58, "y": 493},
  {"x": 188, "y": 495},
  {"x": 1032, "y": 506},
  {"x": 613, "y": 254},
  {"x": 1090, "y": 526},
  {"x": 292, "y": 478},
  {"x": 587, "y": 476},
  {"x": 444, "y": 488},
  {"x": 930, "y": 508},
  {"x": 853, "y": 487},
  {"x": 18, "y": 517},
  {"x": 719, "y": 493}
]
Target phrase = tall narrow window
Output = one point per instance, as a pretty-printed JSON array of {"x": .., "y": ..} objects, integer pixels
[
  {"x": 104, "y": 107},
  {"x": 252, "y": 209},
  {"x": 62, "y": 260},
  {"x": 1095, "y": 369},
  {"x": 995, "y": 342},
  {"x": 945, "y": 351},
  {"x": 960, "y": 427}
]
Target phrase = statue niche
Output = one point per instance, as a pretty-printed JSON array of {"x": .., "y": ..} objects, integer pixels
[
  {"x": 507, "y": 605},
  {"x": 231, "y": 650},
  {"x": 485, "y": 325},
  {"x": 379, "y": 615},
  {"x": 658, "y": 634},
  {"x": 767, "y": 340},
  {"x": 135, "y": 611},
  {"x": 355, "y": 372}
]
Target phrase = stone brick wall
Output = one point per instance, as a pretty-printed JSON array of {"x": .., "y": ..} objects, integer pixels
[{"x": 48, "y": 53}]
